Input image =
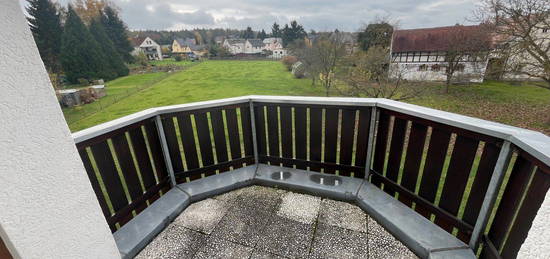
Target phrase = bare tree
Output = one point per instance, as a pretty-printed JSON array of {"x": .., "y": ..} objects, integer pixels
[
  {"x": 466, "y": 45},
  {"x": 328, "y": 51},
  {"x": 304, "y": 52},
  {"x": 522, "y": 32},
  {"x": 368, "y": 74}
]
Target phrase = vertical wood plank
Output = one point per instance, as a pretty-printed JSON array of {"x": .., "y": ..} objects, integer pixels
[
  {"x": 300, "y": 132},
  {"x": 111, "y": 180},
  {"x": 413, "y": 159},
  {"x": 156, "y": 150},
  {"x": 247, "y": 131},
  {"x": 462, "y": 159},
  {"x": 362, "y": 143},
  {"x": 205, "y": 143},
  {"x": 529, "y": 208},
  {"x": 95, "y": 185},
  {"x": 331, "y": 137},
  {"x": 188, "y": 141},
  {"x": 517, "y": 183},
  {"x": 435, "y": 159},
  {"x": 233, "y": 132},
  {"x": 286, "y": 134},
  {"x": 218, "y": 130},
  {"x": 142, "y": 157},
  {"x": 172, "y": 142},
  {"x": 346, "y": 139},
  {"x": 381, "y": 145},
  {"x": 260, "y": 131},
  {"x": 273, "y": 132},
  {"x": 126, "y": 163},
  {"x": 315, "y": 136},
  {"x": 396, "y": 152}
]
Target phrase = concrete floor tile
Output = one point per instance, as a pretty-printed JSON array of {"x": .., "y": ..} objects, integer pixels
[
  {"x": 257, "y": 254},
  {"x": 174, "y": 242},
  {"x": 230, "y": 196},
  {"x": 203, "y": 216},
  {"x": 382, "y": 244},
  {"x": 285, "y": 237},
  {"x": 343, "y": 215},
  {"x": 242, "y": 225},
  {"x": 260, "y": 197},
  {"x": 299, "y": 207},
  {"x": 219, "y": 248},
  {"x": 335, "y": 242}
]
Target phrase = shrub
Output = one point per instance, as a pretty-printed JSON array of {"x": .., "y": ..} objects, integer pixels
[
  {"x": 298, "y": 70},
  {"x": 288, "y": 61},
  {"x": 83, "y": 81},
  {"x": 178, "y": 58}
]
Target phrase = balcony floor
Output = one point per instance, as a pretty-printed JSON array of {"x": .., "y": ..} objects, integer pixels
[{"x": 262, "y": 222}]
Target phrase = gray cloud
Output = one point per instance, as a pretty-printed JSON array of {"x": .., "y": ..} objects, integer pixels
[{"x": 349, "y": 15}]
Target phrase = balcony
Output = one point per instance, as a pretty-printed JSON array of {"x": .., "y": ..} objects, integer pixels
[{"x": 442, "y": 184}]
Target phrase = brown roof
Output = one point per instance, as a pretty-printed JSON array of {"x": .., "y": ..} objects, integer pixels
[
  {"x": 432, "y": 39},
  {"x": 136, "y": 41}
]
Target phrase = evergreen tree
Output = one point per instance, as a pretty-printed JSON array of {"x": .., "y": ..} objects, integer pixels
[
  {"x": 276, "y": 31},
  {"x": 117, "y": 32},
  {"x": 262, "y": 35},
  {"x": 248, "y": 33},
  {"x": 81, "y": 56},
  {"x": 293, "y": 32},
  {"x": 113, "y": 61},
  {"x": 46, "y": 28}
]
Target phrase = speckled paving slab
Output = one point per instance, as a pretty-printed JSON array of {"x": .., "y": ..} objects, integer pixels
[{"x": 260, "y": 222}]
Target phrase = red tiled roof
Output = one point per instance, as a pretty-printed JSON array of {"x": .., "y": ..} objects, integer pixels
[
  {"x": 431, "y": 39},
  {"x": 136, "y": 41}
]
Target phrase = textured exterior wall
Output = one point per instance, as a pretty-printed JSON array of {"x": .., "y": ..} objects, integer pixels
[
  {"x": 537, "y": 244},
  {"x": 47, "y": 206}
]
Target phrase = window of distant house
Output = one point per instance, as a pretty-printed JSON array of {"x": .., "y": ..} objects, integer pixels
[
  {"x": 460, "y": 68},
  {"x": 545, "y": 30},
  {"x": 436, "y": 67},
  {"x": 423, "y": 68}
]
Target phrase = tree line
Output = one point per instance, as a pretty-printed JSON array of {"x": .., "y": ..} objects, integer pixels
[{"x": 85, "y": 41}]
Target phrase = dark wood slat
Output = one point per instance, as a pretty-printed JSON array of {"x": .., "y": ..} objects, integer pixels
[
  {"x": 489, "y": 250},
  {"x": 315, "y": 136},
  {"x": 331, "y": 137},
  {"x": 300, "y": 133},
  {"x": 142, "y": 157},
  {"x": 172, "y": 142},
  {"x": 381, "y": 145},
  {"x": 218, "y": 129},
  {"x": 484, "y": 172},
  {"x": 156, "y": 151},
  {"x": 346, "y": 139},
  {"x": 396, "y": 152},
  {"x": 462, "y": 159},
  {"x": 305, "y": 163},
  {"x": 424, "y": 203},
  {"x": 273, "y": 130},
  {"x": 286, "y": 133},
  {"x": 188, "y": 142},
  {"x": 529, "y": 208},
  {"x": 411, "y": 168},
  {"x": 111, "y": 180},
  {"x": 126, "y": 163},
  {"x": 95, "y": 185},
  {"x": 205, "y": 143},
  {"x": 517, "y": 183},
  {"x": 110, "y": 134},
  {"x": 435, "y": 159},
  {"x": 362, "y": 142},
  {"x": 247, "y": 131},
  {"x": 233, "y": 132},
  {"x": 4, "y": 252},
  {"x": 192, "y": 174},
  {"x": 260, "y": 131}
]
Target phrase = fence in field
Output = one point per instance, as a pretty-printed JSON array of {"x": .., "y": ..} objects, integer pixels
[{"x": 463, "y": 174}]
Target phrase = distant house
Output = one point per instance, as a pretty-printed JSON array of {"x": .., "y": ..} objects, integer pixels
[
  {"x": 273, "y": 43},
  {"x": 235, "y": 46},
  {"x": 420, "y": 54},
  {"x": 149, "y": 47},
  {"x": 219, "y": 40},
  {"x": 188, "y": 46},
  {"x": 253, "y": 46}
]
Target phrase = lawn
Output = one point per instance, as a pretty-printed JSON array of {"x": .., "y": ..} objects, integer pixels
[{"x": 520, "y": 105}]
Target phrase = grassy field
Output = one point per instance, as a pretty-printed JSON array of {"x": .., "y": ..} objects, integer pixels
[{"x": 524, "y": 106}]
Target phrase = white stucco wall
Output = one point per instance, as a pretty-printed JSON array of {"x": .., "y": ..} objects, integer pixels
[
  {"x": 473, "y": 72},
  {"x": 537, "y": 243},
  {"x": 47, "y": 206}
]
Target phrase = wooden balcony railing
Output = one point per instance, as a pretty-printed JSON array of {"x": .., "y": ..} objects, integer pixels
[{"x": 479, "y": 180}]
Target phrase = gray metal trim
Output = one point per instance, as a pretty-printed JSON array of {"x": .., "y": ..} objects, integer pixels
[
  {"x": 370, "y": 148},
  {"x": 165, "y": 150},
  {"x": 492, "y": 193},
  {"x": 253, "y": 127}
]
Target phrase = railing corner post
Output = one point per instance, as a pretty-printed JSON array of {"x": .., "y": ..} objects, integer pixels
[
  {"x": 492, "y": 192},
  {"x": 370, "y": 147},
  {"x": 253, "y": 127},
  {"x": 165, "y": 150}
]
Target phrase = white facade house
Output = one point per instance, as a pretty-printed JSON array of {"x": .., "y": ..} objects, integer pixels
[
  {"x": 419, "y": 54},
  {"x": 273, "y": 43},
  {"x": 244, "y": 46},
  {"x": 149, "y": 47}
]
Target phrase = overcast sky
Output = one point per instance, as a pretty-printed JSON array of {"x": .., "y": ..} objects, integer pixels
[{"x": 348, "y": 15}]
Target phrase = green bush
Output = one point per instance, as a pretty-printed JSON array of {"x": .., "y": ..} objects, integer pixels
[{"x": 178, "y": 58}]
